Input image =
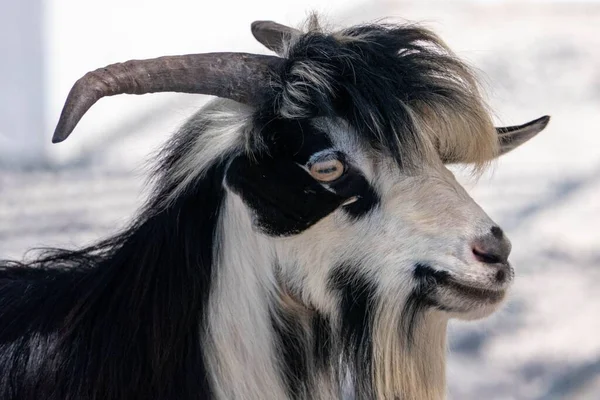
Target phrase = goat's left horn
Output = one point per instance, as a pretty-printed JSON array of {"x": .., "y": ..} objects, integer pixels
[{"x": 237, "y": 76}]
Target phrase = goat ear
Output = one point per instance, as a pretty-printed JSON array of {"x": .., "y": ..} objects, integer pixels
[
  {"x": 512, "y": 137},
  {"x": 272, "y": 35}
]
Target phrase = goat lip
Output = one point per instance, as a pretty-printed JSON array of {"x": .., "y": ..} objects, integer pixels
[{"x": 476, "y": 293}]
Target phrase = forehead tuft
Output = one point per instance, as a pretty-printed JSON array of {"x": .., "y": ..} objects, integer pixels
[{"x": 399, "y": 87}]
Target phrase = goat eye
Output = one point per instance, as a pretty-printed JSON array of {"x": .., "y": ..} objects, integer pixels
[{"x": 327, "y": 170}]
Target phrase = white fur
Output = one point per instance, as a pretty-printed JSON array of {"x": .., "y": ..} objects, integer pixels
[
  {"x": 240, "y": 349},
  {"x": 219, "y": 127},
  {"x": 425, "y": 217}
]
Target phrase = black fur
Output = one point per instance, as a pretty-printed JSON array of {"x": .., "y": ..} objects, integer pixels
[
  {"x": 292, "y": 340},
  {"x": 119, "y": 320},
  {"x": 371, "y": 82},
  {"x": 421, "y": 298},
  {"x": 357, "y": 305},
  {"x": 312, "y": 346},
  {"x": 322, "y": 340},
  {"x": 306, "y": 346},
  {"x": 284, "y": 198},
  {"x": 367, "y": 198}
]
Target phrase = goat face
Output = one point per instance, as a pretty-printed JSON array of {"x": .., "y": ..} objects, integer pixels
[
  {"x": 339, "y": 156},
  {"x": 339, "y": 212}
]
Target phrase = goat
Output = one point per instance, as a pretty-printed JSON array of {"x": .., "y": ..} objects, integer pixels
[{"x": 304, "y": 239}]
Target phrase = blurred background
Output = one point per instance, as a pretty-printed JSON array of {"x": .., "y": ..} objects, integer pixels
[{"x": 535, "y": 58}]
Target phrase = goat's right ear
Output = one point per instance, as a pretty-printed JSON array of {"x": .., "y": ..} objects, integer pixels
[
  {"x": 512, "y": 137},
  {"x": 273, "y": 35}
]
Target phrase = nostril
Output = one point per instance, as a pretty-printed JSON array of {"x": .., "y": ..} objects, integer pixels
[{"x": 487, "y": 256}]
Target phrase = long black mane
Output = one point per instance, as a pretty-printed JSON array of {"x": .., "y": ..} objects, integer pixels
[{"x": 117, "y": 320}]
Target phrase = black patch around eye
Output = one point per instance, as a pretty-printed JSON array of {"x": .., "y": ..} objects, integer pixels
[
  {"x": 286, "y": 200},
  {"x": 367, "y": 201},
  {"x": 351, "y": 184},
  {"x": 284, "y": 197}
]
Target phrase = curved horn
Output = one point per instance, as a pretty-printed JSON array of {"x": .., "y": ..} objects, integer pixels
[
  {"x": 511, "y": 137},
  {"x": 272, "y": 35},
  {"x": 237, "y": 76}
]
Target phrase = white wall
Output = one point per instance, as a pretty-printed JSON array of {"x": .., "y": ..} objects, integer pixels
[{"x": 21, "y": 84}]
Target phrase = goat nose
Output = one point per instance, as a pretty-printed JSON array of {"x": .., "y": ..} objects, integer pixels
[{"x": 492, "y": 248}]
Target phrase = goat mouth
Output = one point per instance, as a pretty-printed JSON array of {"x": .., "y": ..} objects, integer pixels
[
  {"x": 475, "y": 293},
  {"x": 448, "y": 288}
]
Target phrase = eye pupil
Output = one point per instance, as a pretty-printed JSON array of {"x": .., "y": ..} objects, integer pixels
[{"x": 327, "y": 170}]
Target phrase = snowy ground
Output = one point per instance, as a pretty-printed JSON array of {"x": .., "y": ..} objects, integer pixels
[{"x": 537, "y": 58}]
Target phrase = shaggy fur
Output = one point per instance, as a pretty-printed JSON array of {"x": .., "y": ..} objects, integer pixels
[
  {"x": 399, "y": 86},
  {"x": 401, "y": 89},
  {"x": 245, "y": 278}
]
